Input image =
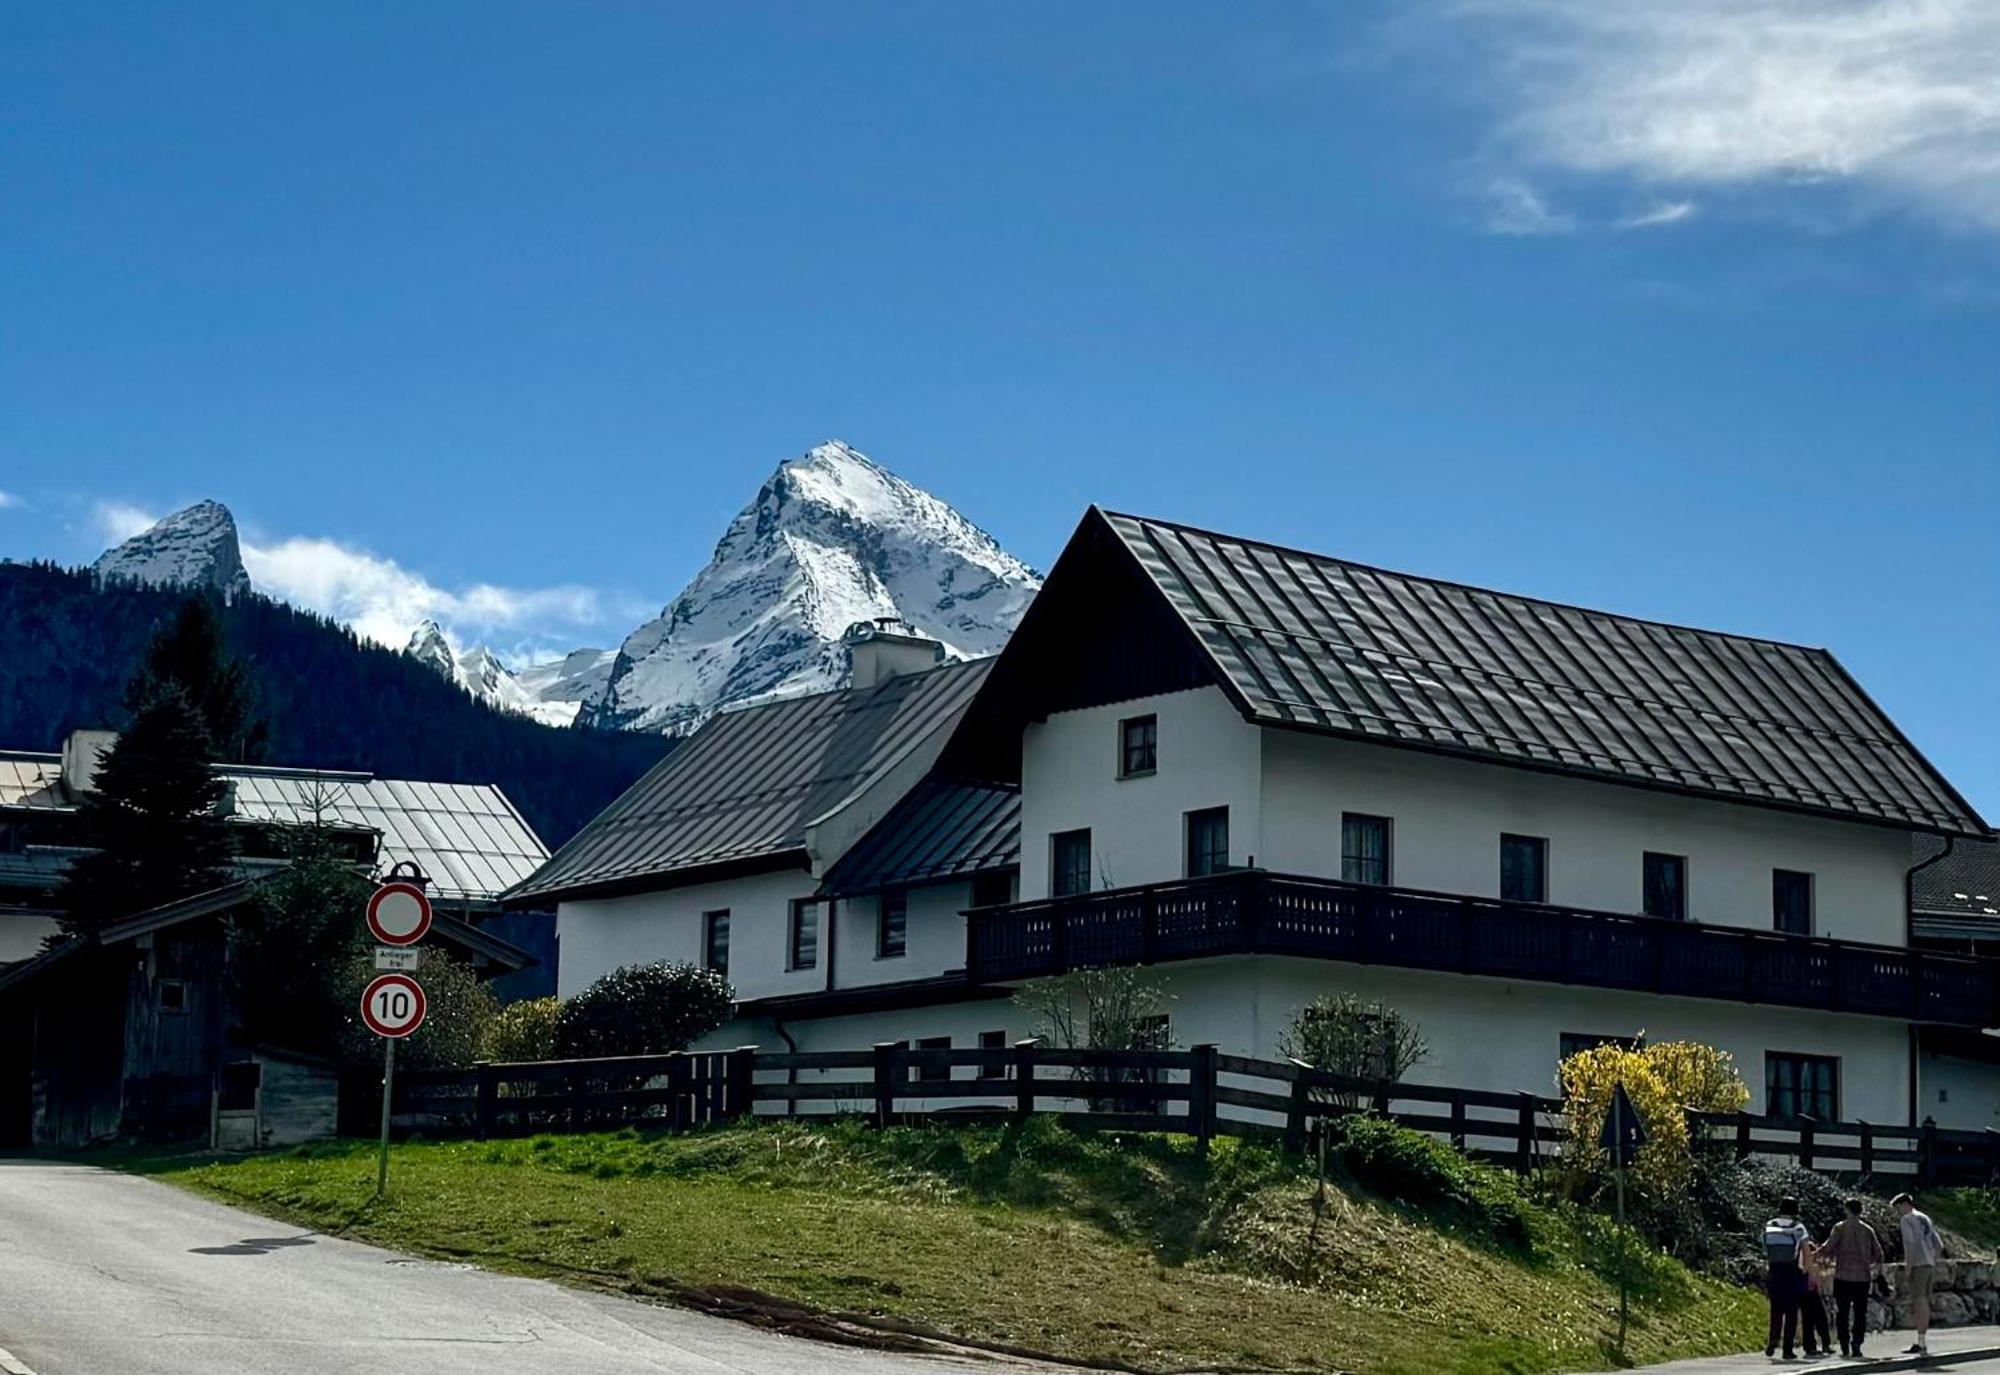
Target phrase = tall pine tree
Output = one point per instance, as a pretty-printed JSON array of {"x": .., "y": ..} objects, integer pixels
[{"x": 189, "y": 655}]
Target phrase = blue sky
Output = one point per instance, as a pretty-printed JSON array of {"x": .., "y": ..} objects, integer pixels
[{"x": 1687, "y": 311}]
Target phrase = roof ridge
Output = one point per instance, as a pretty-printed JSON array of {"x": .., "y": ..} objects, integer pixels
[{"x": 1551, "y": 602}]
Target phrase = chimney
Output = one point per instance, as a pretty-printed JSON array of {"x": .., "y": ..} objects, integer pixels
[
  {"x": 886, "y": 648},
  {"x": 82, "y": 752}
]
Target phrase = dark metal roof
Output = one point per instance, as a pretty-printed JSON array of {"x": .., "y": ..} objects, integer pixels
[
  {"x": 1305, "y": 640},
  {"x": 744, "y": 788},
  {"x": 943, "y": 829},
  {"x": 1964, "y": 884}
]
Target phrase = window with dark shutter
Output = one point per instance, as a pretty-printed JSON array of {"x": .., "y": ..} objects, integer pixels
[
  {"x": 892, "y": 924},
  {"x": 994, "y": 1040},
  {"x": 1524, "y": 868},
  {"x": 1792, "y": 902},
  {"x": 715, "y": 940},
  {"x": 1138, "y": 746},
  {"x": 1801, "y": 1086},
  {"x": 1069, "y": 863},
  {"x": 930, "y": 1070},
  {"x": 1364, "y": 848},
  {"x": 1664, "y": 883},
  {"x": 804, "y": 942},
  {"x": 1207, "y": 841}
]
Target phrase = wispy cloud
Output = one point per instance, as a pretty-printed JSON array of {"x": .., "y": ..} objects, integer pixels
[
  {"x": 1899, "y": 99},
  {"x": 385, "y": 602},
  {"x": 1666, "y": 212},
  {"x": 1515, "y": 207},
  {"x": 8, "y": 499}
]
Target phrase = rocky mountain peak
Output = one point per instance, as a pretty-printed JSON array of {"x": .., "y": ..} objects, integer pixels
[
  {"x": 192, "y": 548},
  {"x": 831, "y": 538}
]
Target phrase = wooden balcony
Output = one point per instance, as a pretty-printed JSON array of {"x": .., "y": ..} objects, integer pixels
[{"x": 1251, "y": 912}]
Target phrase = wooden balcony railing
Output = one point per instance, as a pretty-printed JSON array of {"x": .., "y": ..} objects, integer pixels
[{"x": 1252, "y": 912}]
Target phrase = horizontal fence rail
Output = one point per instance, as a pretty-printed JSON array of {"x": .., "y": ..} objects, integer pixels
[
  {"x": 1199, "y": 1091},
  {"x": 1253, "y": 912}
]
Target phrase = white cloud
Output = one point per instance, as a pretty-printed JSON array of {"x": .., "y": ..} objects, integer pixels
[
  {"x": 1896, "y": 98},
  {"x": 8, "y": 499},
  {"x": 1666, "y": 212},
  {"x": 383, "y": 601},
  {"x": 1514, "y": 207}
]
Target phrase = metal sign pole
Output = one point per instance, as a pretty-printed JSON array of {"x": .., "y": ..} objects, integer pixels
[
  {"x": 388, "y": 1090},
  {"x": 1624, "y": 1287}
]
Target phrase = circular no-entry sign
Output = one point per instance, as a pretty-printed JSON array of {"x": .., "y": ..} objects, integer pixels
[
  {"x": 393, "y": 1005},
  {"x": 399, "y": 913}
]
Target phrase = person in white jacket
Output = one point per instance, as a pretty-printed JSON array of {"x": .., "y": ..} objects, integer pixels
[{"x": 1922, "y": 1249}]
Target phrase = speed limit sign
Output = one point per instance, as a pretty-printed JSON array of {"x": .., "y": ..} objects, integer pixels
[{"x": 393, "y": 1005}]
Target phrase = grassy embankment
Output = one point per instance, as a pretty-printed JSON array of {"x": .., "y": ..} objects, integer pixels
[{"x": 1122, "y": 1250}]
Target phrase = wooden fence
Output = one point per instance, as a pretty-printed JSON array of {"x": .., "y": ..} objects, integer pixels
[{"x": 1200, "y": 1091}]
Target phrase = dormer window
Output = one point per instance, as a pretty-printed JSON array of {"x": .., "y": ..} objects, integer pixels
[{"x": 1138, "y": 746}]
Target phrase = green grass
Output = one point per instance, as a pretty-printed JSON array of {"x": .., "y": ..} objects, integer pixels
[
  {"x": 1125, "y": 1249},
  {"x": 1973, "y": 1214}
]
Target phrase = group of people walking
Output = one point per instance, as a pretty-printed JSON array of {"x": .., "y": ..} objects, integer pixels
[{"x": 1804, "y": 1274}]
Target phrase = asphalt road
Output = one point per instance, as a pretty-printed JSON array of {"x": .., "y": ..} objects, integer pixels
[{"x": 107, "y": 1274}]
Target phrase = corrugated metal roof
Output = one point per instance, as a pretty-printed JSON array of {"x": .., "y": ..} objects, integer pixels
[
  {"x": 943, "y": 829},
  {"x": 1306, "y": 640},
  {"x": 466, "y": 836},
  {"x": 747, "y": 784}
]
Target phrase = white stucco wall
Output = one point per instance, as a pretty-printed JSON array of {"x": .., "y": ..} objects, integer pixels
[
  {"x": 1208, "y": 757},
  {"x": 1959, "y": 1092},
  {"x": 1448, "y": 815},
  {"x": 934, "y": 937},
  {"x": 1286, "y": 790},
  {"x": 1483, "y": 1033},
  {"x": 600, "y": 934}
]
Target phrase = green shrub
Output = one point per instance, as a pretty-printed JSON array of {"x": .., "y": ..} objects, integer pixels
[
  {"x": 524, "y": 1031},
  {"x": 643, "y": 1009},
  {"x": 1429, "y": 1177}
]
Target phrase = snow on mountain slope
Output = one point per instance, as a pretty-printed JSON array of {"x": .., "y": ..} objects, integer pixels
[
  {"x": 479, "y": 671},
  {"x": 196, "y": 547},
  {"x": 832, "y": 538}
]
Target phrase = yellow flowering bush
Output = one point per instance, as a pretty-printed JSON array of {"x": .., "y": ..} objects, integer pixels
[{"x": 1665, "y": 1082}]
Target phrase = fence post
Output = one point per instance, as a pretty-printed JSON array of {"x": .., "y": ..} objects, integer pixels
[
  {"x": 1742, "y": 1136},
  {"x": 888, "y": 1058},
  {"x": 1457, "y": 1121},
  {"x": 1524, "y": 1140},
  {"x": 1867, "y": 1134},
  {"x": 573, "y": 1090},
  {"x": 1992, "y": 1155},
  {"x": 489, "y": 1087},
  {"x": 1024, "y": 1078},
  {"x": 742, "y": 1083},
  {"x": 1807, "y": 1126},
  {"x": 1381, "y": 1103},
  {"x": 1201, "y": 1093},
  {"x": 1927, "y": 1153},
  {"x": 1295, "y": 1115},
  {"x": 678, "y": 1114}
]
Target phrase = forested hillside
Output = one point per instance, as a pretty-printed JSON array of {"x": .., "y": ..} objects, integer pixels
[{"x": 67, "y": 649}]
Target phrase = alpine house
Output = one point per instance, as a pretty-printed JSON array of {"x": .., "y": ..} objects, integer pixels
[{"x": 1272, "y": 775}]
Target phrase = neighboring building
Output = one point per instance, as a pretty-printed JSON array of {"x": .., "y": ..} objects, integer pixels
[
  {"x": 1955, "y": 906},
  {"x": 1274, "y": 774},
  {"x": 134, "y": 1035}
]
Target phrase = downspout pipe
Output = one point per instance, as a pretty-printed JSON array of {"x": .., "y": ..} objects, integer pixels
[{"x": 1909, "y": 942}]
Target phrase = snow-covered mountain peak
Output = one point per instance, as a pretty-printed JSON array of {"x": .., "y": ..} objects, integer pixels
[
  {"x": 831, "y": 538},
  {"x": 196, "y": 547},
  {"x": 480, "y": 672}
]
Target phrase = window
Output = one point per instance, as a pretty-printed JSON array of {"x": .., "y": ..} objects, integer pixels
[
  {"x": 926, "y": 1070},
  {"x": 1576, "y": 1042},
  {"x": 1792, "y": 902},
  {"x": 1665, "y": 889},
  {"x": 1524, "y": 869},
  {"x": 173, "y": 995},
  {"x": 994, "y": 1040},
  {"x": 1069, "y": 863},
  {"x": 1364, "y": 848},
  {"x": 1207, "y": 841},
  {"x": 993, "y": 890},
  {"x": 715, "y": 940},
  {"x": 892, "y": 924},
  {"x": 1138, "y": 746},
  {"x": 804, "y": 943},
  {"x": 1801, "y": 1086}
]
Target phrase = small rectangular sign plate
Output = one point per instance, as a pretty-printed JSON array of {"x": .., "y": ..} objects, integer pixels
[{"x": 400, "y": 957}]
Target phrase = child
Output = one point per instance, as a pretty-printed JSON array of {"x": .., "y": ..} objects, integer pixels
[{"x": 1817, "y": 1262}]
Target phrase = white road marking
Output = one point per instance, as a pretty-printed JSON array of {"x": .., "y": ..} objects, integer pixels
[{"x": 11, "y": 1365}]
